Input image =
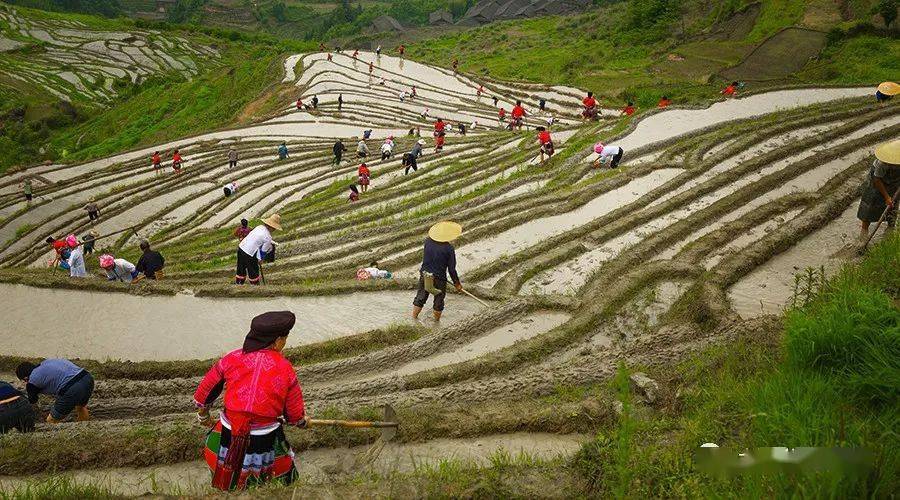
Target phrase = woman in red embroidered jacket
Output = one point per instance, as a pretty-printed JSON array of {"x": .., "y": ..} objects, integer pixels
[{"x": 247, "y": 445}]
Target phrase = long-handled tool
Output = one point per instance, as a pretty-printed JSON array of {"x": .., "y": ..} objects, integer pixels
[
  {"x": 485, "y": 304},
  {"x": 388, "y": 426},
  {"x": 880, "y": 220}
]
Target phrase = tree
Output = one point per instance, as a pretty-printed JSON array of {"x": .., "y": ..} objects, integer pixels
[{"x": 887, "y": 9}]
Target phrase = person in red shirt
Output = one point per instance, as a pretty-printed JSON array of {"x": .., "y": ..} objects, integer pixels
[
  {"x": 354, "y": 193},
  {"x": 247, "y": 444},
  {"x": 518, "y": 114},
  {"x": 502, "y": 115},
  {"x": 299, "y": 104},
  {"x": 590, "y": 107},
  {"x": 546, "y": 143},
  {"x": 628, "y": 110},
  {"x": 455, "y": 65},
  {"x": 731, "y": 90},
  {"x": 329, "y": 56},
  {"x": 176, "y": 162},
  {"x": 363, "y": 174},
  {"x": 62, "y": 252},
  {"x": 664, "y": 102},
  {"x": 355, "y": 54},
  {"x": 439, "y": 133},
  {"x": 243, "y": 230},
  {"x": 401, "y": 49},
  {"x": 157, "y": 162}
]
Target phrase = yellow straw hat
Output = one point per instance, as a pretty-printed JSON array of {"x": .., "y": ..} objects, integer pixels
[
  {"x": 273, "y": 221},
  {"x": 889, "y": 88},
  {"x": 889, "y": 152},
  {"x": 445, "y": 231}
]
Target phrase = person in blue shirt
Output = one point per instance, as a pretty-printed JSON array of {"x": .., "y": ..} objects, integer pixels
[
  {"x": 71, "y": 384},
  {"x": 282, "y": 151},
  {"x": 439, "y": 259},
  {"x": 15, "y": 410}
]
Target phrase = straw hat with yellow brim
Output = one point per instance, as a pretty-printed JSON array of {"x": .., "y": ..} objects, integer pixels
[
  {"x": 889, "y": 152},
  {"x": 445, "y": 231},
  {"x": 273, "y": 221},
  {"x": 889, "y": 88},
  {"x": 421, "y": 141}
]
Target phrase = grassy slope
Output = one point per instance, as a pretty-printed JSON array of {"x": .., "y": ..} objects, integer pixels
[{"x": 598, "y": 51}]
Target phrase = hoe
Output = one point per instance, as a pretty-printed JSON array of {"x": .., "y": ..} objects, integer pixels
[{"x": 862, "y": 250}]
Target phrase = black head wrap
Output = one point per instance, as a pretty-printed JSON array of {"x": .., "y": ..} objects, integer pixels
[{"x": 266, "y": 328}]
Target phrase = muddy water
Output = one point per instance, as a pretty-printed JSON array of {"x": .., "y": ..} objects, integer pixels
[
  {"x": 520, "y": 237},
  {"x": 669, "y": 124},
  {"x": 530, "y": 326},
  {"x": 129, "y": 327},
  {"x": 745, "y": 239},
  {"x": 768, "y": 289},
  {"x": 325, "y": 465}
]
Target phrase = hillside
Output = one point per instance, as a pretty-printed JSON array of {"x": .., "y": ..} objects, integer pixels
[
  {"x": 686, "y": 50},
  {"x": 76, "y": 86}
]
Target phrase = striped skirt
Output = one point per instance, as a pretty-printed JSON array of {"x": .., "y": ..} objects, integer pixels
[{"x": 268, "y": 457}]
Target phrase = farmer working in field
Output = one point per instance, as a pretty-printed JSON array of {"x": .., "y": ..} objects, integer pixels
[
  {"x": 338, "y": 150},
  {"x": 545, "y": 142},
  {"x": 590, "y": 107},
  {"x": 518, "y": 114},
  {"x": 282, "y": 151},
  {"x": 608, "y": 153},
  {"x": 15, "y": 410},
  {"x": 256, "y": 246},
  {"x": 880, "y": 194},
  {"x": 233, "y": 156},
  {"x": 71, "y": 384},
  {"x": 118, "y": 269},
  {"x": 247, "y": 445},
  {"x": 886, "y": 91},
  {"x": 438, "y": 260},
  {"x": 150, "y": 264},
  {"x": 243, "y": 230}
]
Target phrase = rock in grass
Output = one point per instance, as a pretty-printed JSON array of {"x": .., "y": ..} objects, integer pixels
[{"x": 645, "y": 386}]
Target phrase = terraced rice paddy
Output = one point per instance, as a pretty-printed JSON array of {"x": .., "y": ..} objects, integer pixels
[
  {"x": 71, "y": 60},
  {"x": 582, "y": 268}
]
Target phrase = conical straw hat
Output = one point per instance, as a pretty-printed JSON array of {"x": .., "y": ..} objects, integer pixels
[
  {"x": 889, "y": 88},
  {"x": 445, "y": 231},
  {"x": 273, "y": 221},
  {"x": 889, "y": 152}
]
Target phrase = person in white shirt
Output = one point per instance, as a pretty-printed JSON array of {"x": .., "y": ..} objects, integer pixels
[
  {"x": 373, "y": 272},
  {"x": 256, "y": 246},
  {"x": 607, "y": 152},
  {"x": 362, "y": 150},
  {"x": 230, "y": 188},
  {"x": 387, "y": 150},
  {"x": 118, "y": 269},
  {"x": 76, "y": 263}
]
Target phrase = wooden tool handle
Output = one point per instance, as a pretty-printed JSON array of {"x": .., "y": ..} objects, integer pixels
[{"x": 351, "y": 423}]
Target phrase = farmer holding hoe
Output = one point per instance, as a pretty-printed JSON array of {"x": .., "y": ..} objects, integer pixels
[{"x": 438, "y": 260}]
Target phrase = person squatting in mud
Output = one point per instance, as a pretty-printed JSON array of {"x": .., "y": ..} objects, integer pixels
[
  {"x": 247, "y": 445},
  {"x": 438, "y": 260},
  {"x": 879, "y": 197},
  {"x": 150, "y": 264},
  {"x": 71, "y": 384},
  {"x": 118, "y": 269},
  {"x": 255, "y": 247}
]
